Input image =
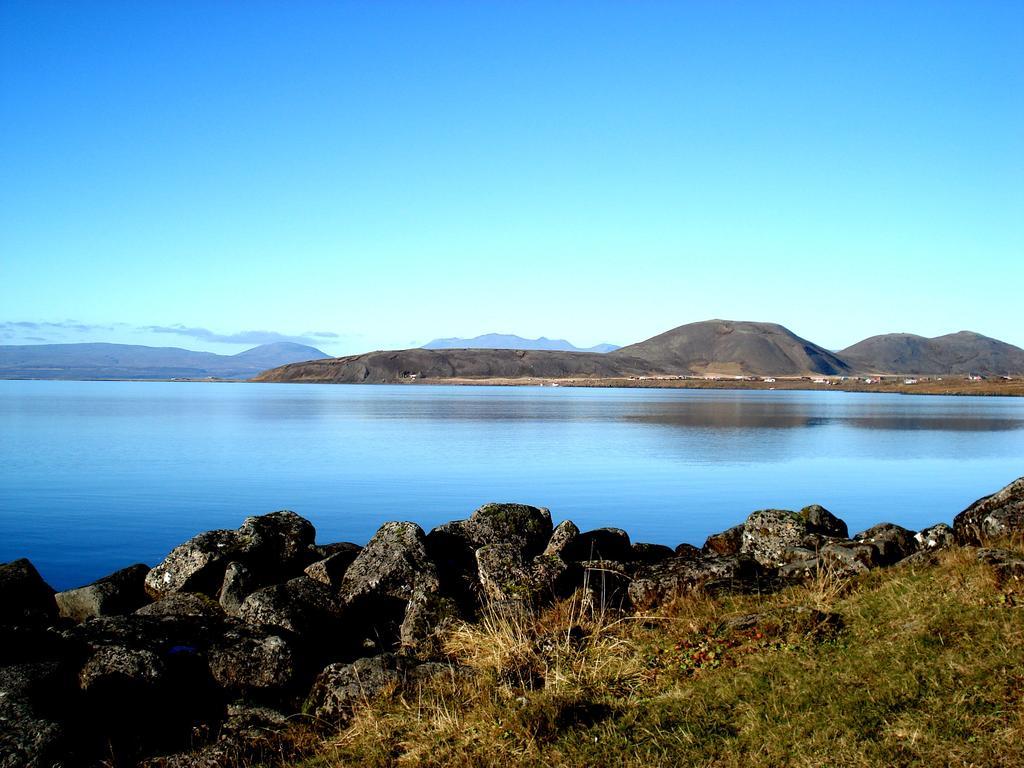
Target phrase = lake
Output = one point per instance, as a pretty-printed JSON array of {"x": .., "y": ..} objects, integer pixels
[{"x": 98, "y": 475}]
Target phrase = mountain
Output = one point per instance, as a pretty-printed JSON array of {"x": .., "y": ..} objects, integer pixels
[
  {"x": 417, "y": 364},
  {"x": 955, "y": 353},
  {"x": 735, "y": 348},
  {"x": 509, "y": 341},
  {"x": 129, "y": 361}
]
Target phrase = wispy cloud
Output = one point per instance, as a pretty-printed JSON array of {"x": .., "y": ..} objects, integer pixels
[
  {"x": 64, "y": 325},
  {"x": 241, "y": 337}
]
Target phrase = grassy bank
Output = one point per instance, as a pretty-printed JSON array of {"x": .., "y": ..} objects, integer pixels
[{"x": 916, "y": 665}]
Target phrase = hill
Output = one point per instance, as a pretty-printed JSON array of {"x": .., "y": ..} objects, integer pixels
[
  {"x": 955, "y": 353},
  {"x": 130, "y": 361},
  {"x": 417, "y": 364},
  {"x": 735, "y": 348},
  {"x": 510, "y": 341}
]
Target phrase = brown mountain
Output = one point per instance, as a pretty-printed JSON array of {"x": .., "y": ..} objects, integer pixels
[
  {"x": 955, "y": 353},
  {"x": 405, "y": 365},
  {"x": 735, "y": 348}
]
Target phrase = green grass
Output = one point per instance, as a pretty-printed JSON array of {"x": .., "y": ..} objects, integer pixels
[{"x": 928, "y": 670}]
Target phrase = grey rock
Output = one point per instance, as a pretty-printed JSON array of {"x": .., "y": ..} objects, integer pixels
[
  {"x": 340, "y": 688},
  {"x": 197, "y": 565},
  {"x": 602, "y": 544},
  {"x": 728, "y": 542},
  {"x": 282, "y": 541},
  {"x": 394, "y": 563},
  {"x": 848, "y": 558},
  {"x": 30, "y": 737},
  {"x": 183, "y": 604},
  {"x": 238, "y": 584},
  {"x": 505, "y": 575},
  {"x": 1008, "y": 565},
  {"x": 119, "y": 593},
  {"x": 651, "y": 553},
  {"x": 688, "y": 550},
  {"x": 661, "y": 582},
  {"x": 323, "y": 551},
  {"x": 605, "y": 584},
  {"x": 245, "y": 659},
  {"x": 300, "y": 605},
  {"x": 992, "y": 517},
  {"x": 331, "y": 569},
  {"x": 24, "y": 596},
  {"x": 768, "y": 532},
  {"x": 938, "y": 536},
  {"x": 120, "y": 671},
  {"x": 893, "y": 542},
  {"x": 820, "y": 520},
  {"x": 562, "y": 539},
  {"x": 518, "y": 525}
]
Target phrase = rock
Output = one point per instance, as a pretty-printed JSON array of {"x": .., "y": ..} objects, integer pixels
[
  {"x": 245, "y": 659},
  {"x": 281, "y": 542},
  {"x": 504, "y": 575},
  {"x": 847, "y": 558},
  {"x": 661, "y": 582},
  {"x": 183, "y": 604},
  {"x": 423, "y": 621},
  {"x": 238, "y": 584},
  {"x": 275, "y": 547},
  {"x": 323, "y": 551},
  {"x": 117, "y": 672},
  {"x": 331, "y": 569},
  {"x": 24, "y": 596},
  {"x": 1007, "y": 565},
  {"x": 605, "y": 583},
  {"x": 938, "y": 536},
  {"x": 808, "y": 621},
  {"x": 300, "y": 605},
  {"x": 893, "y": 542},
  {"x": 651, "y": 553},
  {"x": 340, "y": 688},
  {"x": 31, "y": 735},
  {"x": 992, "y": 517},
  {"x": 562, "y": 538},
  {"x": 394, "y": 563},
  {"x": 820, "y": 520},
  {"x": 728, "y": 542},
  {"x": 119, "y": 593},
  {"x": 799, "y": 570},
  {"x": 768, "y": 532},
  {"x": 518, "y": 525},
  {"x": 198, "y": 565},
  {"x": 687, "y": 550},
  {"x": 451, "y": 549},
  {"x": 601, "y": 544}
]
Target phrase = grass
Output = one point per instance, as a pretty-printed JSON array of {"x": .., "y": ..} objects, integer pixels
[{"x": 927, "y": 669}]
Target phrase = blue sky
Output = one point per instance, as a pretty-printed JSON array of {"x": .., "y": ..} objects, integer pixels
[{"x": 383, "y": 173}]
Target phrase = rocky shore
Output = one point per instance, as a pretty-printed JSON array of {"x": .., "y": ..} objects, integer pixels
[{"x": 237, "y": 635}]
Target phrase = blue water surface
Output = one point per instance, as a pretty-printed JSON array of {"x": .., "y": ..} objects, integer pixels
[{"x": 98, "y": 475}]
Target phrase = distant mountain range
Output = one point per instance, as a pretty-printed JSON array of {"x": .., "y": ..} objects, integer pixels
[
  {"x": 721, "y": 347},
  {"x": 129, "y": 361},
  {"x": 510, "y": 341}
]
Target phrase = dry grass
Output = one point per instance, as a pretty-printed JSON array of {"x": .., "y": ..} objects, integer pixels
[{"x": 927, "y": 670}]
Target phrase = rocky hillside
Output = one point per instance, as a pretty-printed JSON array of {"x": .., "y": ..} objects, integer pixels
[
  {"x": 238, "y": 637},
  {"x": 419, "y": 364},
  {"x": 955, "y": 353},
  {"x": 738, "y": 348}
]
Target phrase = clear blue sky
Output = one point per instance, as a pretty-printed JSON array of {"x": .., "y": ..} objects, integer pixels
[{"x": 391, "y": 172}]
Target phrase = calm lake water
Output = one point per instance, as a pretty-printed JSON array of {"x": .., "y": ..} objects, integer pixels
[{"x": 98, "y": 475}]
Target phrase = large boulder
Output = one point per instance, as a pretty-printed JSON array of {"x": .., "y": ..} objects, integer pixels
[
  {"x": 238, "y": 584},
  {"x": 600, "y": 544},
  {"x": 819, "y": 520},
  {"x": 300, "y": 605},
  {"x": 331, "y": 569},
  {"x": 521, "y": 526},
  {"x": 668, "y": 579},
  {"x": 1000, "y": 515},
  {"x": 892, "y": 542},
  {"x": 934, "y": 537},
  {"x": 767, "y": 533},
  {"x": 245, "y": 659},
  {"x": 505, "y": 575},
  {"x": 121, "y": 592},
  {"x": 275, "y": 547},
  {"x": 197, "y": 565},
  {"x": 605, "y": 584},
  {"x": 183, "y": 604},
  {"x": 728, "y": 542},
  {"x": 24, "y": 596},
  {"x": 452, "y": 550},
  {"x": 340, "y": 688},
  {"x": 31, "y": 734},
  {"x": 846, "y": 558},
  {"x": 651, "y": 553}
]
